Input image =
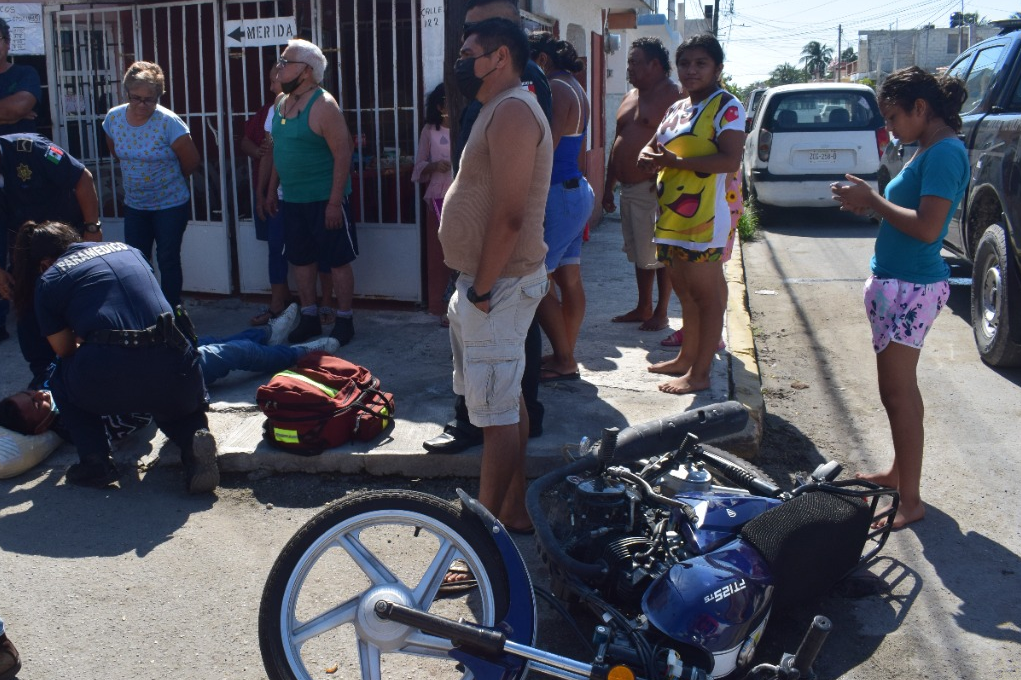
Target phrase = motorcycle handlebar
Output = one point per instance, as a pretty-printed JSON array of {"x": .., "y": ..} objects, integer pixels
[
  {"x": 815, "y": 636},
  {"x": 658, "y": 436}
]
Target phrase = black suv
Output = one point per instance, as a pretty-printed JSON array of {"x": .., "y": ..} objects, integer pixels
[{"x": 986, "y": 229}]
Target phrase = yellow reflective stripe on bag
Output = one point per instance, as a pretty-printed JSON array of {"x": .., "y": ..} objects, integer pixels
[
  {"x": 329, "y": 391},
  {"x": 285, "y": 436}
]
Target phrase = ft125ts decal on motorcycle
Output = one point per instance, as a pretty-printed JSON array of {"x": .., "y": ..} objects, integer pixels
[{"x": 681, "y": 550}]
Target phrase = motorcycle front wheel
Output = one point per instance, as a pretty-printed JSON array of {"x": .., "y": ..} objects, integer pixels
[{"x": 316, "y": 619}]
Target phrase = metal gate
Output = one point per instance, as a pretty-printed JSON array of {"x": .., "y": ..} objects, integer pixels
[
  {"x": 373, "y": 69},
  {"x": 372, "y": 47},
  {"x": 93, "y": 48},
  {"x": 375, "y": 61}
]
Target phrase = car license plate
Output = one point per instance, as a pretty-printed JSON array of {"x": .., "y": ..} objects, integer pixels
[{"x": 822, "y": 156}]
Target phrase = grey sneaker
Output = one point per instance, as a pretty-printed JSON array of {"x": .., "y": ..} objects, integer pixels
[
  {"x": 308, "y": 327},
  {"x": 285, "y": 322},
  {"x": 200, "y": 469},
  {"x": 327, "y": 344}
]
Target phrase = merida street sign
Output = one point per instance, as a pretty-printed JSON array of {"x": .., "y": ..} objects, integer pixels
[{"x": 260, "y": 32}]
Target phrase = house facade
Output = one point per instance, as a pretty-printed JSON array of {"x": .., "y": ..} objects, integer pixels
[
  {"x": 383, "y": 57},
  {"x": 883, "y": 52}
]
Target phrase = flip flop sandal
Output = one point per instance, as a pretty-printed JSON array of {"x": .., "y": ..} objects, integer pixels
[
  {"x": 675, "y": 339},
  {"x": 265, "y": 315},
  {"x": 555, "y": 376},
  {"x": 262, "y": 318},
  {"x": 448, "y": 588}
]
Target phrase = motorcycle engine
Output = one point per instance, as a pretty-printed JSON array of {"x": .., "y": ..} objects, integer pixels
[{"x": 600, "y": 519}]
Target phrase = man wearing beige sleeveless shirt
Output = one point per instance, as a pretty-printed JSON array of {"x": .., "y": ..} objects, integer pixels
[{"x": 491, "y": 231}]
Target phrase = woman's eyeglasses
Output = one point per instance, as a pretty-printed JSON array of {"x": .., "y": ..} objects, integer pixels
[{"x": 148, "y": 101}]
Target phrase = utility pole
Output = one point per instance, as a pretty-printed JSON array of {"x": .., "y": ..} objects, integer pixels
[
  {"x": 840, "y": 35},
  {"x": 716, "y": 17},
  {"x": 960, "y": 31}
]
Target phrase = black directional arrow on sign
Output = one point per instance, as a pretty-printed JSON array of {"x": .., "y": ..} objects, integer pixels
[{"x": 236, "y": 34}]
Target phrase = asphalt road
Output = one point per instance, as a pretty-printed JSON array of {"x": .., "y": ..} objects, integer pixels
[{"x": 954, "y": 610}]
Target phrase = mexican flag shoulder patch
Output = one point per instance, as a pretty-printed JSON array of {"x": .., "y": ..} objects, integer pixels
[{"x": 54, "y": 155}]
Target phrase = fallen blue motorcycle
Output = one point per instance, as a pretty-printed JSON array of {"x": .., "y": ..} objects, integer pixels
[{"x": 678, "y": 549}]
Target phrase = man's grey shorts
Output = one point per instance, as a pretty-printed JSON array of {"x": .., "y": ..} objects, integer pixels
[
  {"x": 489, "y": 349},
  {"x": 639, "y": 210}
]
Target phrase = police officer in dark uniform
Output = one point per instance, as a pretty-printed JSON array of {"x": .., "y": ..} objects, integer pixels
[
  {"x": 40, "y": 181},
  {"x": 121, "y": 349}
]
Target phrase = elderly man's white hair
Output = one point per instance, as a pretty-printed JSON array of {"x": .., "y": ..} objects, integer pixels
[{"x": 309, "y": 53}]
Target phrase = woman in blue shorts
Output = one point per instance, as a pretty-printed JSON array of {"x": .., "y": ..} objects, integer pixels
[
  {"x": 909, "y": 283},
  {"x": 569, "y": 204}
]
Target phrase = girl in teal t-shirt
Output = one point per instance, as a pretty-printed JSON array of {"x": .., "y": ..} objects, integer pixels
[{"x": 909, "y": 285}]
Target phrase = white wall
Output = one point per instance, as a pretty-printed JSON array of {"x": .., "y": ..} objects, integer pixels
[
  {"x": 616, "y": 69},
  {"x": 929, "y": 49}
]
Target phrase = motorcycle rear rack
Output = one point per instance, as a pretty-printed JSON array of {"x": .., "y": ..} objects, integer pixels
[{"x": 872, "y": 493}]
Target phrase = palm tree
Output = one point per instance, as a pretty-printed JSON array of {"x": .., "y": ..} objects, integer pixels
[
  {"x": 816, "y": 57},
  {"x": 785, "y": 74}
]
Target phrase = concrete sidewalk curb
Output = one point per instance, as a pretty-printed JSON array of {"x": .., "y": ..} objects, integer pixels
[{"x": 745, "y": 380}]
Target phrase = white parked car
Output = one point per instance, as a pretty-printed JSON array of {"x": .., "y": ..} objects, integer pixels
[{"x": 804, "y": 137}]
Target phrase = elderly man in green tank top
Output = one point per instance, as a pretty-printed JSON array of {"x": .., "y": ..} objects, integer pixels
[{"x": 312, "y": 158}]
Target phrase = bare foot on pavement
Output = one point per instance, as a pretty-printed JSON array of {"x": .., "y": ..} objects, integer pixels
[
  {"x": 887, "y": 479},
  {"x": 672, "y": 367},
  {"x": 683, "y": 385},
  {"x": 634, "y": 316},
  {"x": 905, "y": 515},
  {"x": 655, "y": 323}
]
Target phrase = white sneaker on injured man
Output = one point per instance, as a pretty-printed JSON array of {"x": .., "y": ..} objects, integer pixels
[
  {"x": 327, "y": 344},
  {"x": 283, "y": 324}
]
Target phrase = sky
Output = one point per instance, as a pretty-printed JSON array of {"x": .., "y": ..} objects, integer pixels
[{"x": 758, "y": 35}]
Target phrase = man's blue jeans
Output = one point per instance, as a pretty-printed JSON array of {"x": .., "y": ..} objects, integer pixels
[
  {"x": 165, "y": 228},
  {"x": 245, "y": 351}
]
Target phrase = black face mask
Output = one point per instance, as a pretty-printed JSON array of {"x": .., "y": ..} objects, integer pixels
[
  {"x": 291, "y": 85},
  {"x": 464, "y": 71}
]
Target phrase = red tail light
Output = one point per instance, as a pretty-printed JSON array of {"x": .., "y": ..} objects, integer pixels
[
  {"x": 882, "y": 139},
  {"x": 765, "y": 142}
]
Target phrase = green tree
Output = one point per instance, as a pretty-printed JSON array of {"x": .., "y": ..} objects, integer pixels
[
  {"x": 848, "y": 55},
  {"x": 966, "y": 19},
  {"x": 727, "y": 81},
  {"x": 815, "y": 57},
  {"x": 785, "y": 74}
]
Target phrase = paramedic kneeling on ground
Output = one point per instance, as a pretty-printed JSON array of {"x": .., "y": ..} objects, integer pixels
[{"x": 131, "y": 357}]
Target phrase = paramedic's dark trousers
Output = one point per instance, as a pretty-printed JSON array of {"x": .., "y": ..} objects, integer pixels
[{"x": 102, "y": 380}]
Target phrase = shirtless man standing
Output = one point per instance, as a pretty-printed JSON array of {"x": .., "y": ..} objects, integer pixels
[{"x": 648, "y": 69}]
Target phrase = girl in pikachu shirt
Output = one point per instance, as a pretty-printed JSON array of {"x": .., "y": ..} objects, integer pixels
[{"x": 697, "y": 151}]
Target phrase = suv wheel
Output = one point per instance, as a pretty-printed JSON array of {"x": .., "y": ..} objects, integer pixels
[
  {"x": 992, "y": 293},
  {"x": 762, "y": 212}
]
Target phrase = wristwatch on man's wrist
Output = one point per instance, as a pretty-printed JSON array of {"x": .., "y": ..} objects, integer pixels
[
  {"x": 93, "y": 227},
  {"x": 475, "y": 298}
]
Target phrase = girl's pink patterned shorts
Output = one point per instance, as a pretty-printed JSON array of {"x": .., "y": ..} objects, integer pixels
[{"x": 902, "y": 312}]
